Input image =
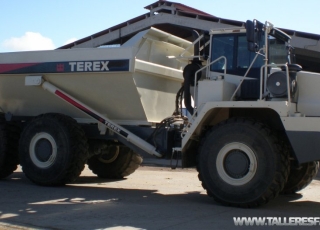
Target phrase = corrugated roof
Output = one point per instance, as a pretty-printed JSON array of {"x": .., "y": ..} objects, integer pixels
[
  {"x": 169, "y": 7},
  {"x": 179, "y": 20},
  {"x": 179, "y": 7}
]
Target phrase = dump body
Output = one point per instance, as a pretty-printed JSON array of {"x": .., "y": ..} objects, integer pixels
[{"x": 128, "y": 84}]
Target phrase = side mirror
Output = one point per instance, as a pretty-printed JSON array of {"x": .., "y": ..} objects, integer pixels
[
  {"x": 250, "y": 31},
  {"x": 254, "y": 30}
]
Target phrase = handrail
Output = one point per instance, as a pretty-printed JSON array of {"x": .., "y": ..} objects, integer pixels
[
  {"x": 206, "y": 66},
  {"x": 245, "y": 75},
  {"x": 189, "y": 46}
]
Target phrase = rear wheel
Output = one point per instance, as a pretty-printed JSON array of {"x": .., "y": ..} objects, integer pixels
[
  {"x": 3, "y": 147},
  {"x": 53, "y": 150},
  {"x": 9, "y": 140},
  {"x": 112, "y": 161},
  {"x": 300, "y": 177},
  {"x": 11, "y": 160},
  {"x": 241, "y": 163}
]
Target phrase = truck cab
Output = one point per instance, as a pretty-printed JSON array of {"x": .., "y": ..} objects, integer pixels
[
  {"x": 247, "y": 123},
  {"x": 245, "y": 61}
]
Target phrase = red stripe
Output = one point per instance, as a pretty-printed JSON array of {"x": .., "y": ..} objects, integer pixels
[
  {"x": 71, "y": 101},
  {"x": 9, "y": 67}
]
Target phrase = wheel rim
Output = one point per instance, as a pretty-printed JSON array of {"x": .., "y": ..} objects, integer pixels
[
  {"x": 110, "y": 156},
  {"x": 43, "y": 150},
  {"x": 236, "y": 163}
]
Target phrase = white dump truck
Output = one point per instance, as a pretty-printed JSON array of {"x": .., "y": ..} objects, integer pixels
[{"x": 233, "y": 104}]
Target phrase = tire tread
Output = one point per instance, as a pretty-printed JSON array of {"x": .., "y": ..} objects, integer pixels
[
  {"x": 126, "y": 163},
  {"x": 281, "y": 175},
  {"x": 78, "y": 150}
]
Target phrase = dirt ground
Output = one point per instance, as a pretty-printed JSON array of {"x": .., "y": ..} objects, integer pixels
[{"x": 151, "y": 198}]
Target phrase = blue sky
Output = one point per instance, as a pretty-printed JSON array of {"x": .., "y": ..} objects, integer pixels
[{"x": 48, "y": 24}]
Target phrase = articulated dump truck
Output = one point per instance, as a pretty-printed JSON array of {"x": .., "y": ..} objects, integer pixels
[{"x": 233, "y": 103}]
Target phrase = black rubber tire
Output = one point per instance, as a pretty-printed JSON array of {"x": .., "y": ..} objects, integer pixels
[
  {"x": 61, "y": 166},
  {"x": 300, "y": 177},
  {"x": 10, "y": 143},
  {"x": 124, "y": 163},
  {"x": 3, "y": 143},
  {"x": 267, "y": 158}
]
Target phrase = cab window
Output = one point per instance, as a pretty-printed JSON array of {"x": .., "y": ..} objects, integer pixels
[{"x": 235, "y": 48}]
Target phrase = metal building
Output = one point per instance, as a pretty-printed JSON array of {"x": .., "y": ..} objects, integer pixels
[{"x": 180, "y": 20}]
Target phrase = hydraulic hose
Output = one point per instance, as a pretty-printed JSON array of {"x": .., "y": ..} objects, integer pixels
[{"x": 188, "y": 75}]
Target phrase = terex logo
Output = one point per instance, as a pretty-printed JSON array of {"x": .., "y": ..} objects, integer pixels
[{"x": 83, "y": 66}]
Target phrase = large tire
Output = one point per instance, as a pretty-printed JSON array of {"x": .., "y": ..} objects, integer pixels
[
  {"x": 113, "y": 162},
  {"x": 241, "y": 163},
  {"x": 53, "y": 150},
  {"x": 3, "y": 143},
  {"x": 300, "y": 177},
  {"x": 9, "y": 138}
]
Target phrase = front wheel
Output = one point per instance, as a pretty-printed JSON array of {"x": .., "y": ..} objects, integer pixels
[{"x": 241, "y": 163}]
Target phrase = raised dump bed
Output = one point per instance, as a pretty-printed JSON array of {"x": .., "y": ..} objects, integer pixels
[{"x": 134, "y": 84}]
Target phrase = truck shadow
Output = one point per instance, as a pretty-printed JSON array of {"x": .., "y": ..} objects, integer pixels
[
  {"x": 90, "y": 204},
  {"x": 94, "y": 180}
]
